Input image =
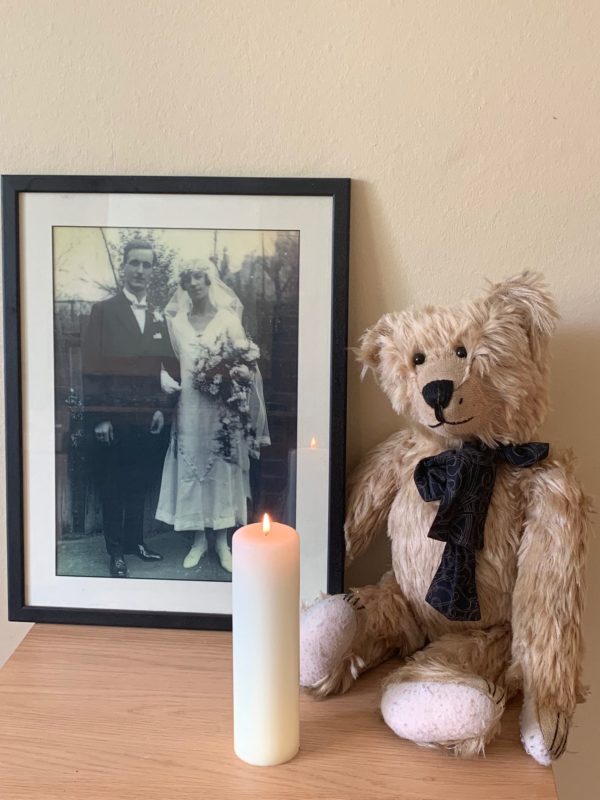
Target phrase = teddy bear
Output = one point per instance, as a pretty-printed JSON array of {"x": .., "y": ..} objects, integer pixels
[{"x": 488, "y": 532}]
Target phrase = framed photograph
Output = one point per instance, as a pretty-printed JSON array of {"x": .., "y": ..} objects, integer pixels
[{"x": 175, "y": 367}]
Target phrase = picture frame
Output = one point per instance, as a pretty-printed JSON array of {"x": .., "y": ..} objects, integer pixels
[{"x": 279, "y": 254}]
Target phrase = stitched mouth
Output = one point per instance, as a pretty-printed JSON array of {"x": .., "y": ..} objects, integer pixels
[{"x": 446, "y": 422}]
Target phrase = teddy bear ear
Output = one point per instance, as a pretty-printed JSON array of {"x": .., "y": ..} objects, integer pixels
[
  {"x": 371, "y": 343},
  {"x": 527, "y": 295}
]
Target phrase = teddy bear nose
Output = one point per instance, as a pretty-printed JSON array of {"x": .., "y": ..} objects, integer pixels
[{"x": 438, "y": 394}]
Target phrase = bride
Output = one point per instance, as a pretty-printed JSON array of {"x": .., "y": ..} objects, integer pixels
[{"x": 205, "y": 481}]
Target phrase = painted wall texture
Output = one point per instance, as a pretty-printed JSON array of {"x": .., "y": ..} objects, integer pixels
[{"x": 470, "y": 130}]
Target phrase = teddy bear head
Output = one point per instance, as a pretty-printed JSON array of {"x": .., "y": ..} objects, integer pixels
[{"x": 475, "y": 371}]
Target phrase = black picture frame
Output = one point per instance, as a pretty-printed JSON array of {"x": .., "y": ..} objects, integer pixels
[{"x": 13, "y": 188}]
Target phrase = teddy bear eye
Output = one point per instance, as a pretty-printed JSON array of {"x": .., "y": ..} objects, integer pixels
[
  {"x": 461, "y": 351},
  {"x": 418, "y": 358}
]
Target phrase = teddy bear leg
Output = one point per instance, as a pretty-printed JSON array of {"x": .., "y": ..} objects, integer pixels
[
  {"x": 344, "y": 635},
  {"x": 452, "y": 693}
]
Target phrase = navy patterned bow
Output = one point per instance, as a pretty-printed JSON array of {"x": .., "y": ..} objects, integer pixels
[{"x": 463, "y": 481}]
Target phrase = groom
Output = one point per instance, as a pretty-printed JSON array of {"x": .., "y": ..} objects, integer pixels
[{"x": 124, "y": 349}]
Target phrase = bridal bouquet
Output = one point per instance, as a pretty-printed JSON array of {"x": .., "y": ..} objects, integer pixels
[{"x": 226, "y": 372}]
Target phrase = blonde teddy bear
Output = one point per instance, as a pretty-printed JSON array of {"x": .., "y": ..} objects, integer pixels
[{"x": 487, "y": 529}]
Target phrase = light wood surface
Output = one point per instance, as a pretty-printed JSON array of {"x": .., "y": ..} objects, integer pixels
[{"x": 98, "y": 713}]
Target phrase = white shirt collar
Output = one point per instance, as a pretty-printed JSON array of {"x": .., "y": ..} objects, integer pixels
[{"x": 133, "y": 299}]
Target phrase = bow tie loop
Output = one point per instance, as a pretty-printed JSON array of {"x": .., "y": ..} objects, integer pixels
[
  {"x": 523, "y": 455},
  {"x": 430, "y": 477}
]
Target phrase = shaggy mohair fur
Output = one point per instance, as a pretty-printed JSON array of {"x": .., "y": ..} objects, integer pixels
[{"x": 530, "y": 574}]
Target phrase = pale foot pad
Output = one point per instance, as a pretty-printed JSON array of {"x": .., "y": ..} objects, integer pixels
[
  {"x": 437, "y": 712},
  {"x": 327, "y": 629}
]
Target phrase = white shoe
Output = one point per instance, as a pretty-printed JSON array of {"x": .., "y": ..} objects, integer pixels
[
  {"x": 193, "y": 557},
  {"x": 224, "y": 554}
]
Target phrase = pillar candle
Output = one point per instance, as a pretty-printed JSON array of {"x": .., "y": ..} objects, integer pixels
[{"x": 266, "y": 613}]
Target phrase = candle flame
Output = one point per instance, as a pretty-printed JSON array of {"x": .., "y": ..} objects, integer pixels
[
  {"x": 266, "y": 523},
  {"x": 313, "y": 443}
]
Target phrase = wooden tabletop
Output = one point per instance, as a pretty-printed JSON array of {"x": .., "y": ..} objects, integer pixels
[{"x": 120, "y": 713}]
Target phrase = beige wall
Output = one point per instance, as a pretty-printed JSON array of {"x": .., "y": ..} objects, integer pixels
[{"x": 471, "y": 130}]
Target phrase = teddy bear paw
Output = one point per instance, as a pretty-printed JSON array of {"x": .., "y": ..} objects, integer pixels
[
  {"x": 447, "y": 714},
  {"x": 543, "y": 733},
  {"x": 327, "y": 630}
]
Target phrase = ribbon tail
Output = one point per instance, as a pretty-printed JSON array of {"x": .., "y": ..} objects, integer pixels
[{"x": 453, "y": 591}]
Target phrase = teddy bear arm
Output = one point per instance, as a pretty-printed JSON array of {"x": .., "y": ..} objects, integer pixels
[
  {"x": 548, "y": 598},
  {"x": 371, "y": 491}
]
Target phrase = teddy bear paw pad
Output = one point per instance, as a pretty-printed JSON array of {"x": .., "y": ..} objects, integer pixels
[
  {"x": 327, "y": 629},
  {"x": 427, "y": 712},
  {"x": 531, "y": 734}
]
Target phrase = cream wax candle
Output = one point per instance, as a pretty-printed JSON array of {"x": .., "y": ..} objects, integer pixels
[{"x": 265, "y": 613}]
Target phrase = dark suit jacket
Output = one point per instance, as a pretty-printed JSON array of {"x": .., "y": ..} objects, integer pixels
[{"x": 121, "y": 366}]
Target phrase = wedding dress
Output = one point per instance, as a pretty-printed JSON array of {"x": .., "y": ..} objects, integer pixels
[{"x": 200, "y": 487}]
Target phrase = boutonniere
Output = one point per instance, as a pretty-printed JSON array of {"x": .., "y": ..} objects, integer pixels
[{"x": 158, "y": 316}]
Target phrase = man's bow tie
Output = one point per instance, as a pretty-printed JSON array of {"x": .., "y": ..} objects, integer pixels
[
  {"x": 463, "y": 481},
  {"x": 143, "y": 306}
]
